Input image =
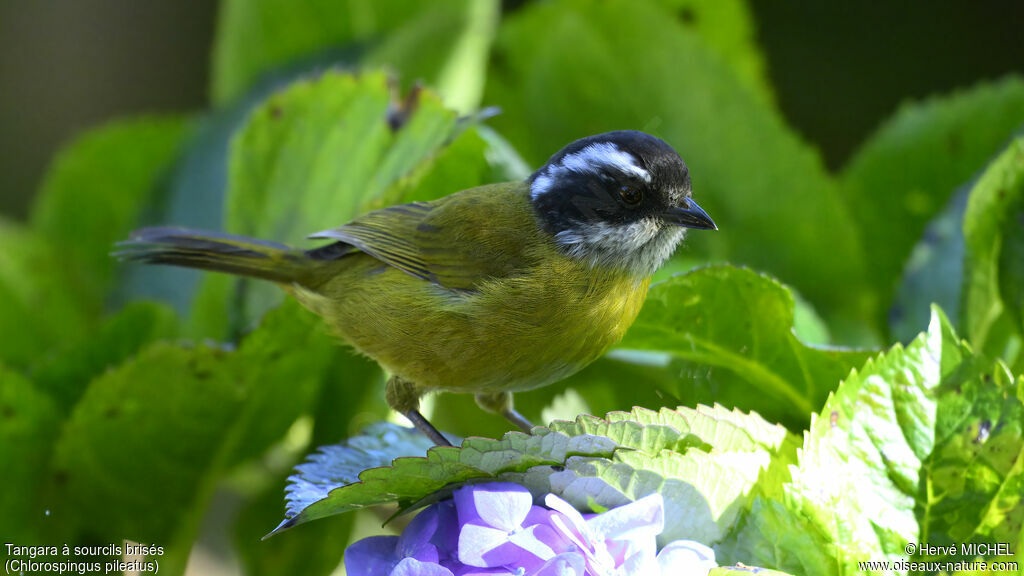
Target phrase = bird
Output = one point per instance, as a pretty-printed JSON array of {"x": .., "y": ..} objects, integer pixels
[{"x": 491, "y": 290}]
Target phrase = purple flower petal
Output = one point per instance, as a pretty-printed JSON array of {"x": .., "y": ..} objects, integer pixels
[
  {"x": 686, "y": 557},
  {"x": 642, "y": 519},
  {"x": 446, "y": 538},
  {"x": 373, "y": 556},
  {"x": 643, "y": 563},
  {"x": 502, "y": 505},
  {"x": 486, "y": 547},
  {"x": 462, "y": 570},
  {"x": 415, "y": 540},
  {"x": 567, "y": 564},
  {"x": 632, "y": 528},
  {"x": 540, "y": 540},
  {"x": 572, "y": 518},
  {"x": 413, "y": 567}
]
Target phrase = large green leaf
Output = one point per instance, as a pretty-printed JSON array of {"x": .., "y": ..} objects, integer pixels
[
  {"x": 94, "y": 194},
  {"x": 445, "y": 43},
  {"x": 994, "y": 260},
  {"x": 568, "y": 69},
  {"x": 32, "y": 279},
  {"x": 904, "y": 174},
  {"x": 66, "y": 374},
  {"x": 725, "y": 334},
  {"x": 316, "y": 155},
  {"x": 930, "y": 433},
  {"x": 158, "y": 432},
  {"x": 727, "y": 27},
  {"x": 91, "y": 198}
]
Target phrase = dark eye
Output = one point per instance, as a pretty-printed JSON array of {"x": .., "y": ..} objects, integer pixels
[{"x": 631, "y": 195}]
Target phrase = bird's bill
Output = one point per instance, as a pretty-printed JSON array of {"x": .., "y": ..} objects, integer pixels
[{"x": 692, "y": 217}]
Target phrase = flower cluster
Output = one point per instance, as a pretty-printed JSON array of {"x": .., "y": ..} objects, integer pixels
[{"x": 496, "y": 529}]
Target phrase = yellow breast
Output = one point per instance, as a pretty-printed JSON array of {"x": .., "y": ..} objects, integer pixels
[{"x": 514, "y": 333}]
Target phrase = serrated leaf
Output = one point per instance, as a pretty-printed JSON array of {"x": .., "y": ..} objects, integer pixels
[
  {"x": 904, "y": 174},
  {"x": 315, "y": 549},
  {"x": 727, "y": 336},
  {"x": 772, "y": 534},
  {"x": 564, "y": 70},
  {"x": 905, "y": 434},
  {"x": 340, "y": 464},
  {"x": 704, "y": 492},
  {"x": 322, "y": 151},
  {"x": 444, "y": 43},
  {"x": 590, "y": 462},
  {"x": 992, "y": 306},
  {"x": 410, "y": 479}
]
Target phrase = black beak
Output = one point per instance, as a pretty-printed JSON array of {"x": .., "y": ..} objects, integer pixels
[{"x": 692, "y": 216}]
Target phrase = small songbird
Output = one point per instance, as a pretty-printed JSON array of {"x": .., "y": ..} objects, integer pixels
[{"x": 490, "y": 290}]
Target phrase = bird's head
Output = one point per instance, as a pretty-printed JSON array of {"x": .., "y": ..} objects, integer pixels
[{"x": 620, "y": 199}]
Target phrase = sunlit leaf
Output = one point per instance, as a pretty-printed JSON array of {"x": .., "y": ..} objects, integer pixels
[
  {"x": 930, "y": 433},
  {"x": 994, "y": 282},
  {"x": 444, "y": 43}
]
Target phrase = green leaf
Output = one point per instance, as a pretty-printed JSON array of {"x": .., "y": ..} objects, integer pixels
[
  {"x": 930, "y": 433},
  {"x": 994, "y": 274},
  {"x": 314, "y": 155},
  {"x": 564, "y": 70},
  {"x": 349, "y": 395},
  {"x": 444, "y": 43},
  {"x": 32, "y": 279},
  {"x": 158, "y": 432},
  {"x": 770, "y": 534},
  {"x": 477, "y": 156},
  {"x": 410, "y": 479},
  {"x": 65, "y": 374},
  {"x": 589, "y": 462},
  {"x": 727, "y": 27},
  {"x": 725, "y": 335},
  {"x": 743, "y": 569},
  {"x": 933, "y": 274},
  {"x": 974, "y": 492},
  {"x": 29, "y": 423},
  {"x": 311, "y": 550},
  {"x": 904, "y": 174},
  {"x": 94, "y": 193}
]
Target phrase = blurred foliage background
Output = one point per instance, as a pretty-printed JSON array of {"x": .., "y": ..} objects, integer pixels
[
  {"x": 836, "y": 69},
  {"x": 835, "y": 145}
]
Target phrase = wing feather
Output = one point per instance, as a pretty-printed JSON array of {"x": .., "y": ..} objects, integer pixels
[{"x": 457, "y": 241}]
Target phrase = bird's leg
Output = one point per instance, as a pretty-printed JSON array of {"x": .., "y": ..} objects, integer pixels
[
  {"x": 501, "y": 403},
  {"x": 404, "y": 398}
]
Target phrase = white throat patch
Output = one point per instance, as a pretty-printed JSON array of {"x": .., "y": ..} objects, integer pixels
[
  {"x": 640, "y": 247},
  {"x": 602, "y": 157}
]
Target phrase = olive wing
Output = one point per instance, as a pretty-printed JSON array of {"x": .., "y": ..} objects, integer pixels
[{"x": 457, "y": 241}]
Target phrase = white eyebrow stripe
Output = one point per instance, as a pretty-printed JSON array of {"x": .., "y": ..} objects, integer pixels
[
  {"x": 590, "y": 160},
  {"x": 604, "y": 155}
]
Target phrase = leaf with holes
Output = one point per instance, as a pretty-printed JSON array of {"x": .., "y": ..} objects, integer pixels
[{"x": 930, "y": 433}]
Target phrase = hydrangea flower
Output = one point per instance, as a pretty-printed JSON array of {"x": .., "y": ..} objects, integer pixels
[{"x": 495, "y": 529}]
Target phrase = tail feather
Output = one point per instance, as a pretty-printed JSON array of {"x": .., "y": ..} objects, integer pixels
[{"x": 218, "y": 252}]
